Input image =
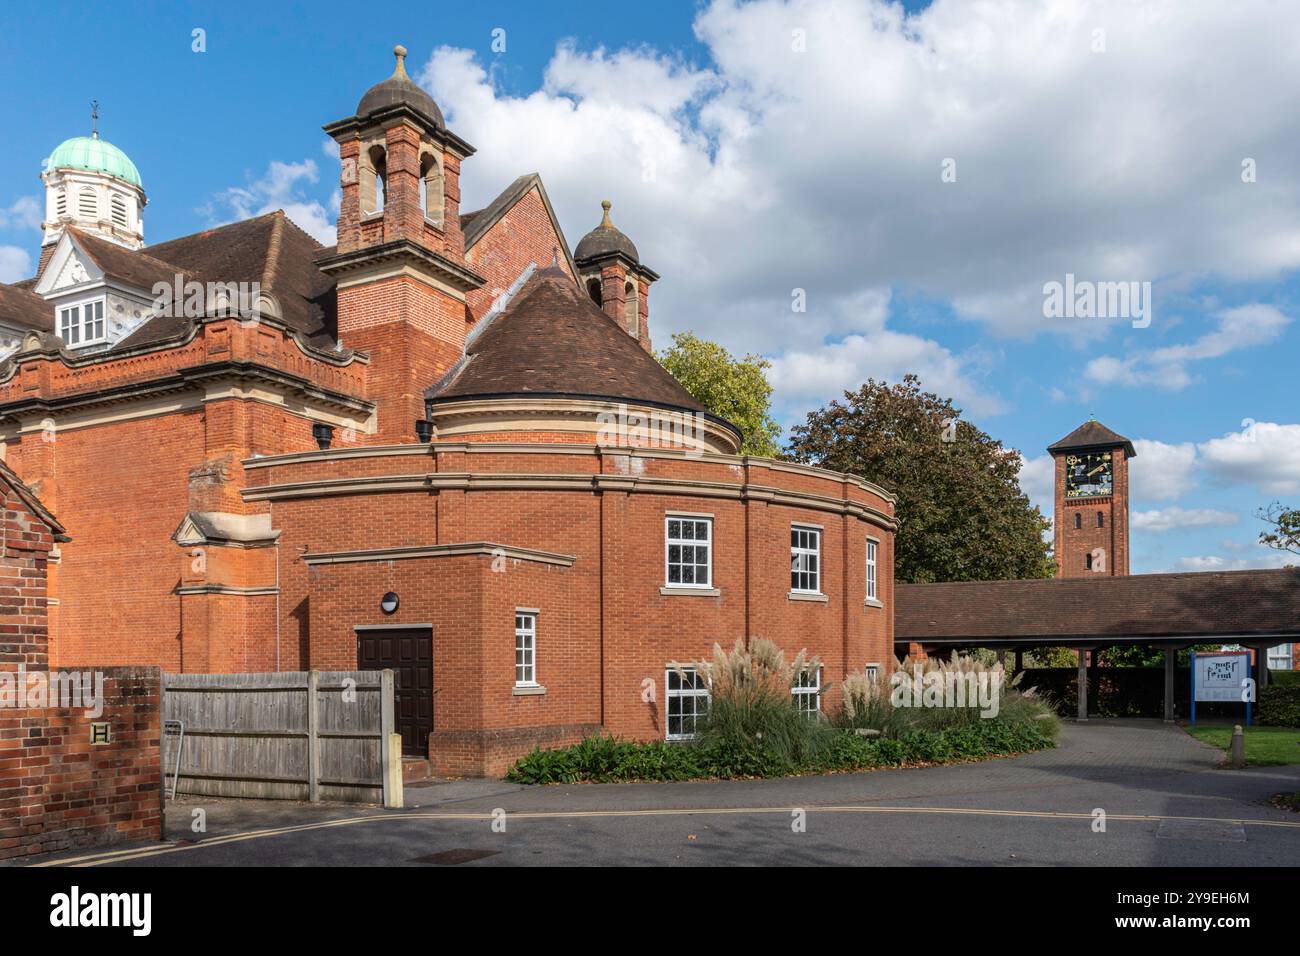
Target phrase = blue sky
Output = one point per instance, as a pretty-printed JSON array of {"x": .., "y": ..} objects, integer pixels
[{"x": 1098, "y": 138}]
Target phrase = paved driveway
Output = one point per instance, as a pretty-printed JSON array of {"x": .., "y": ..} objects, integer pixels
[{"x": 1165, "y": 799}]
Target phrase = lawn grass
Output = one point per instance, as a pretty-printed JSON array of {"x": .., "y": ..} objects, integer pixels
[{"x": 1265, "y": 746}]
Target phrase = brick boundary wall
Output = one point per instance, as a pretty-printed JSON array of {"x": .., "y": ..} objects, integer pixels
[{"x": 58, "y": 791}]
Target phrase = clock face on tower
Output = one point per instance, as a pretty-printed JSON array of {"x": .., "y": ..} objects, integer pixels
[{"x": 1088, "y": 475}]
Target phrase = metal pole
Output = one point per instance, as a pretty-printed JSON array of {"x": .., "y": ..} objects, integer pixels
[
  {"x": 1193, "y": 688},
  {"x": 1170, "y": 659},
  {"x": 1083, "y": 685}
]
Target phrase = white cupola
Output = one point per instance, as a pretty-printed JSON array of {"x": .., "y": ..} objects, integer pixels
[{"x": 93, "y": 185}]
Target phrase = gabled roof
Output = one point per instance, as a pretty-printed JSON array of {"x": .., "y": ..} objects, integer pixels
[
  {"x": 551, "y": 339},
  {"x": 269, "y": 250},
  {"x": 475, "y": 225},
  {"x": 25, "y": 309},
  {"x": 1070, "y": 610},
  {"x": 137, "y": 269},
  {"x": 33, "y": 503},
  {"x": 1093, "y": 434}
]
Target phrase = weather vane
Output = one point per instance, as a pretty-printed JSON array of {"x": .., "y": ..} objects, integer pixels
[{"x": 94, "y": 119}]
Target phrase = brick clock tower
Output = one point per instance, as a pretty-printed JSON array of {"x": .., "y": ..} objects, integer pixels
[{"x": 1091, "y": 526}]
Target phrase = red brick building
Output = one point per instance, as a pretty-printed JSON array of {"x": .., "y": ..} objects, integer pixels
[{"x": 442, "y": 445}]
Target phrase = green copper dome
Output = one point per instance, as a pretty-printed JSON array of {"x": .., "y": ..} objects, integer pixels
[{"x": 96, "y": 155}]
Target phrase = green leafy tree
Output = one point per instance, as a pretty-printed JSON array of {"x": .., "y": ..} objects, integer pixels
[
  {"x": 731, "y": 388},
  {"x": 961, "y": 513},
  {"x": 1285, "y": 532}
]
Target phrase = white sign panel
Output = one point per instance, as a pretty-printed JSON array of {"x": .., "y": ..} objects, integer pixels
[{"x": 1222, "y": 676}]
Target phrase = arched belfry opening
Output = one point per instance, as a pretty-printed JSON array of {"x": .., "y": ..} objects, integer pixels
[
  {"x": 631, "y": 314},
  {"x": 593, "y": 290},
  {"x": 431, "y": 191},
  {"x": 374, "y": 179}
]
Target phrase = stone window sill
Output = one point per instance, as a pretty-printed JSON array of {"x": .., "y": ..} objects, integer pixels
[
  {"x": 808, "y": 596},
  {"x": 872, "y": 602},
  {"x": 528, "y": 690},
  {"x": 690, "y": 592}
]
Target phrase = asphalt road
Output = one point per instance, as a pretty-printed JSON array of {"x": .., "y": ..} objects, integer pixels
[{"x": 1166, "y": 800}]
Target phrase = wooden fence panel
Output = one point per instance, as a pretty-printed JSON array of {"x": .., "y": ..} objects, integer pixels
[{"x": 318, "y": 735}]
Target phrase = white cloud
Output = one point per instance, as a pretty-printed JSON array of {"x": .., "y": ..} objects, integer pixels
[
  {"x": 1214, "y": 562},
  {"x": 1161, "y": 471},
  {"x": 1263, "y": 454},
  {"x": 767, "y": 168},
  {"x": 1038, "y": 481},
  {"x": 803, "y": 375},
  {"x": 24, "y": 213},
  {"x": 283, "y": 186},
  {"x": 1242, "y": 327},
  {"x": 15, "y": 264},
  {"x": 1168, "y": 519}
]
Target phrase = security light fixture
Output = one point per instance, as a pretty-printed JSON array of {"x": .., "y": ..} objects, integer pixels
[{"x": 389, "y": 602}]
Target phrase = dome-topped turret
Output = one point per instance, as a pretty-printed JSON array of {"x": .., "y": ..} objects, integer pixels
[
  {"x": 605, "y": 240},
  {"x": 94, "y": 155},
  {"x": 400, "y": 90}
]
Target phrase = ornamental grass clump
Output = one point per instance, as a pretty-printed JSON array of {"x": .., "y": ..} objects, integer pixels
[{"x": 752, "y": 726}]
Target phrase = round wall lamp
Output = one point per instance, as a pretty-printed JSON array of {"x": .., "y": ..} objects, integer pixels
[{"x": 389, "y": 602}]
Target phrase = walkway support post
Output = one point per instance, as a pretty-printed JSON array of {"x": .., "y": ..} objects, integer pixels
[
  {"x": 1083, "y": 684},
  {"x": 1171, "y": 658}
]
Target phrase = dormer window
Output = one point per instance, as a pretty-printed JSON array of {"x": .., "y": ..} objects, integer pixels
[{"x": 82, "y": 324}]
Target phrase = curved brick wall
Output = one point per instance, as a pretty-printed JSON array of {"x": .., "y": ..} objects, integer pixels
[{"x": 604, "y": 626}]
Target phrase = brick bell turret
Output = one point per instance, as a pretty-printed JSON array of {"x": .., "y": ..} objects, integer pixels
[
  {"x": 611, "y": 271},
  {"x": 400, "y": 266}
]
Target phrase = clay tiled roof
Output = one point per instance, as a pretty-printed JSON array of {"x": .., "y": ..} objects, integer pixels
[
  {"x": 1211, "y": 604},
  {"x": 25, "y": 309},
  {"x": 140, "y": 270},
  {"x": 1093, "y": 434},
  {"x": 551, "y": 339},
  {"x": 269, "y": 250}
]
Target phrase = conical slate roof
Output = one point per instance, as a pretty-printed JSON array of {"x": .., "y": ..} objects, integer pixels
[
  {"x": 551, "y": 339},
  {"x": 1093, "y": 434}
]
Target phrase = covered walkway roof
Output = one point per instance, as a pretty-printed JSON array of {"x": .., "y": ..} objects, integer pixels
[{"x": 1259, "y": 608}]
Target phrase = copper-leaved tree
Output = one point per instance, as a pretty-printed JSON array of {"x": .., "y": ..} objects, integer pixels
[{"x": 961, "y": 513}]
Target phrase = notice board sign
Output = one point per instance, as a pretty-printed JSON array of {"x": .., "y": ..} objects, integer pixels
[{"x": 1222, "y": 677}]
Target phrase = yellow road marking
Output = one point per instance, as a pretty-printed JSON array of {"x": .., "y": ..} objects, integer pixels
[{"x": 113, "y": 856}]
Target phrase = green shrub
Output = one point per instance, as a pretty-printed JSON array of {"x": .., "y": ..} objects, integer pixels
[
  {"x": 1284, "y": 678},
  {"x": 1279, "y": 705},
  {"x": 753, "y": 729},
  {"x": 609, "y": 759}
]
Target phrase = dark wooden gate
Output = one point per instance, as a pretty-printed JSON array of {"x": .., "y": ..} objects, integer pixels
[{"x": 408, "y": 652}]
